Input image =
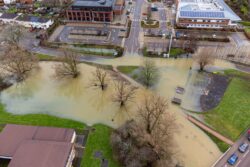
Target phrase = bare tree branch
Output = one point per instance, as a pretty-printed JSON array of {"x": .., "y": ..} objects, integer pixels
[
  {"x": 13, "y": 34},
  {"x": 123, "y": 93},
  {"x": 18, "y": 62},
  {"x": 204, "y": 57},
  {"x": 100, "y": 78},
  {"x": 149, "y": 73},
  {"x": 68, "y": 66}
]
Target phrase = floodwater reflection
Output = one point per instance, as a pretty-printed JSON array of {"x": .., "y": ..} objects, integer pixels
[{"x": 75, "y": 99}]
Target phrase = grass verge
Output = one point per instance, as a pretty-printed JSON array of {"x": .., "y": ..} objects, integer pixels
[
  {"x": 127, "y": 69},
  {"x": 44, "y": 57},
  {"x": 98, "y": 141},
  {"x": 150, "y": 24},
  {"x": 231, "y": 116}
]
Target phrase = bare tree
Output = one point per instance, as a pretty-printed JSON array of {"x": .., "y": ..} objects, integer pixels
[
  {"x": 68, "y": 65},
  {"x": 100, "y": 78},
  {"x": 149, "y": 73},
  {"x": 132, "y": 146},
  {"x": 18, "y": 62},
  {"x": 13, "y": 34},
  {"x": 159, "y": 124},
  {"x": 151, "y": 111},
  {"x": 204, "y": 57},
  {"x": 123, "y": 93}
]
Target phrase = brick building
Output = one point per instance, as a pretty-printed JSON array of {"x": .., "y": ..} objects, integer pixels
[
  {"x": 93, "y": 10},
  {"x": 205, "y": 14}
]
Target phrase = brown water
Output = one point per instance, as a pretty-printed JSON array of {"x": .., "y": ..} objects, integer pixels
[{"x": 73, "y": 98}]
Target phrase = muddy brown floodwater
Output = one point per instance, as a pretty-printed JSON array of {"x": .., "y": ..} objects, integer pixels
[{"x": 74, "y": 99}]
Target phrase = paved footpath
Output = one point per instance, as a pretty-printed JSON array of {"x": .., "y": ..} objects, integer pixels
[{"x": 210, "y": 130}]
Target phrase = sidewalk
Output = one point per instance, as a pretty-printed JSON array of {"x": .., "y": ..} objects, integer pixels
[{"x": 210, "y": 130}]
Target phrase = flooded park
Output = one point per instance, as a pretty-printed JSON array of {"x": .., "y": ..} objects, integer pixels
[{"x": 77, "y": 100}]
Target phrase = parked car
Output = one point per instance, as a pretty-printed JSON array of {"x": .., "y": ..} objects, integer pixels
[
  {"x": 248, "y": 135},
  {"x": 243, "y": 147},
  {"x": 233, "y": 159}
]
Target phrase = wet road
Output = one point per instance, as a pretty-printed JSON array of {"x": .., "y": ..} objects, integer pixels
[
  {"x": 132, "y": 42},
  {"x": 244, "y": 158}
]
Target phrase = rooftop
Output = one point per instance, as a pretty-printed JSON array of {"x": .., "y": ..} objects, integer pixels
[
  {"x": 41, "y": 154},
  {"x": 206, "y": 9},
  {"x": 13, "y": 136},
  {"x": 93, "y": 3},
  {"x": 8, "y": 16},
  {"x": 32, "y": 19}
]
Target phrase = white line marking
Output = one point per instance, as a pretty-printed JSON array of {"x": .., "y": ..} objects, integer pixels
[
  {"x": 246, "y": 153},
  {"x": 238, "y": 163}
]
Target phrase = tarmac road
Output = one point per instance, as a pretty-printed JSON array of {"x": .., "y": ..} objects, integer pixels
[
  {"x": 132, "y": 43},
  {"x": 244, "y": 158}
]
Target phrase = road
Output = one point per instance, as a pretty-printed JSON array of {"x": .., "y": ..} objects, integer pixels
[
  {"x": 244, "y": 158},
  {"x": 132, "y": 42},
  {"x": 162, "y": 17}
]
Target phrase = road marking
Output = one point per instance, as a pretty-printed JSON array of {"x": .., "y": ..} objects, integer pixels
[
  {"x": 246, "y": 153},
  {"x": 238, "y": 163}
]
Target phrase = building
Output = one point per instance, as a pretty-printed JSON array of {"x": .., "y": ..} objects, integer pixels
[
  {"x": 205, "y": 14},
  {"x": 94, "y": 10},
  {"x": 17, "y": 1},
  {"x": 33, "y": 146},
  {"x": 26, "y": 20},
  {"x": 8, "y": 18},
  {"x": 34, "y": 21}
]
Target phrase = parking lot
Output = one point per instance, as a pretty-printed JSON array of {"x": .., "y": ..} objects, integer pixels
[{"x": 88, "y": 34}]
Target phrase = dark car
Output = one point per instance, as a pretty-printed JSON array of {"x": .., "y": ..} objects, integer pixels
[
  {"x": 243, "y": 147},
  {"x": 233, "y": 159}
]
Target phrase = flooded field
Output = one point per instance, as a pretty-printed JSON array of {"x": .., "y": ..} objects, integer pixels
[{"x": 75, "y": 99}]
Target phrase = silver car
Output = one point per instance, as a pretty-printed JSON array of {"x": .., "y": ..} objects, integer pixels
[{"x": 243, "y": 147}]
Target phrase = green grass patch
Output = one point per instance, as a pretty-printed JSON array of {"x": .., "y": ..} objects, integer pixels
[
  {"x": 98, "y": 141},
  {"x": 44, "y": 57},
  {"x": 245, "y": 23},
  {"x": 4, "y": 163},
  {"x": 231, "y": 116},
  {"x": 176, "y": 51},
  {"x": 247, "y": 32},
  {"x": 127, "y": 69},
  {"x": 150, "y": 24},
  {"x": 38, "y": 120}
]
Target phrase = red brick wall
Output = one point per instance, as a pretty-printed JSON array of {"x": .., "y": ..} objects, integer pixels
[{"x": 79, "y": 15}]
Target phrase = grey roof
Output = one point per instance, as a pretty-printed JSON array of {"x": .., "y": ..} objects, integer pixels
[
  {"x": 93, "y": 3},
  {"x": 202, "y": 14},
  {"x": 229, "y": 13},
  {"x": 8, "y": 16},
  {"x": 32, "y": 19}
]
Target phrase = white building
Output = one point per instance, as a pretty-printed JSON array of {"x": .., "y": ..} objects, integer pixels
[
  {"x": 34, "y": 22},
  {"x": 205, "y": 14},
  {"x": 26, "y": 21}
]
